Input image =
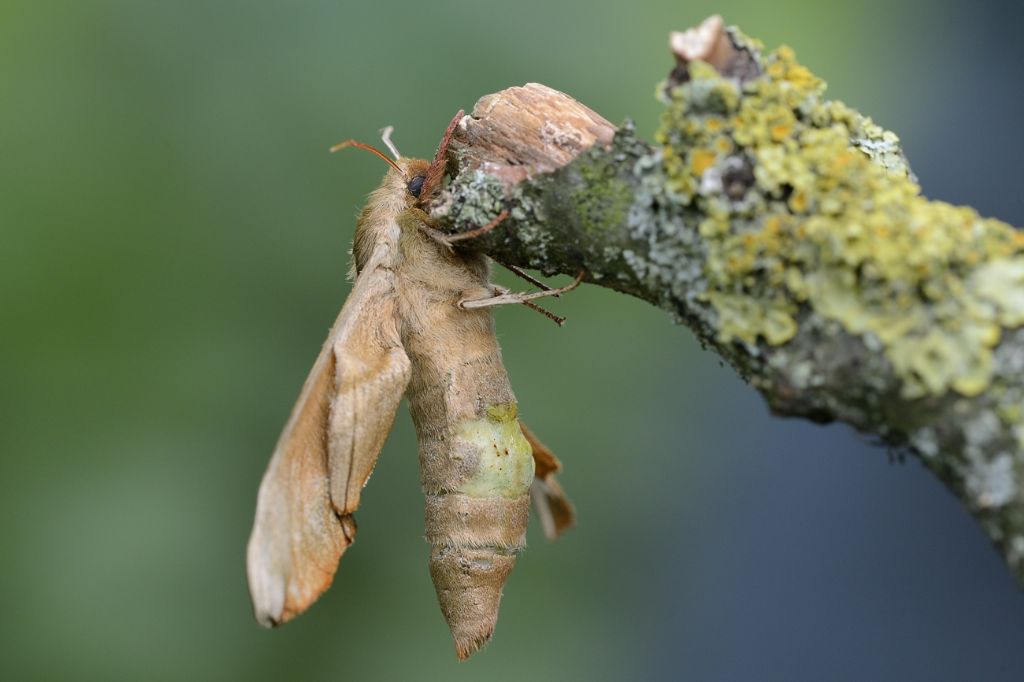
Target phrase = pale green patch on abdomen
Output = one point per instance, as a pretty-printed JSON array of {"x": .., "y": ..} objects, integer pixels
[{"x": 506, "y": 466}]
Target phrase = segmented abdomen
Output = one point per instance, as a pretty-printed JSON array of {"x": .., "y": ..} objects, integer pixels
[{"x": 476, "y": 467}]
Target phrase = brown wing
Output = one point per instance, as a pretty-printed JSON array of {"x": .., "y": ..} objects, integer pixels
[
  {"x": 326, "y": 452},
  {"x": 554, "y": 509}
]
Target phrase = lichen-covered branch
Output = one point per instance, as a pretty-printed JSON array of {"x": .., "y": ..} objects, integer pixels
[{"x": 788, "y": 233}]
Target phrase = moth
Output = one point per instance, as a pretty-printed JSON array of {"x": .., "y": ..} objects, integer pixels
[{"x": 418, "y": 323}]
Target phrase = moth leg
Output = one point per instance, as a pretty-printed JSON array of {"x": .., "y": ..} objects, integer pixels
[
  {"x": 510, "y": 298},
  {"x": 523, "y": 274},
  {"x": 440, "y": 162},
  {"x": 519, "y": 272},
  {"x": 435, "y": 235},
  {"x": 447, "y": 240},
  {"x": 554, "y": 509},
  {"x": 473, "y": 234},
  {"x": 557, "y": 319}
]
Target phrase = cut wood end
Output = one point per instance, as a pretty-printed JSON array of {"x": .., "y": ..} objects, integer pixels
[
  {"x": 520, "y": 132},
  {"x": 707, "y": 42}
]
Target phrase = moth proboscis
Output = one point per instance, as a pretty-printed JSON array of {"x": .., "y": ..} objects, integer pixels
[{"x": 418, "y": 322}]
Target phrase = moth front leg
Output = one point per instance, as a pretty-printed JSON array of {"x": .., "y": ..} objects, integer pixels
[
  {"x": 473, "y": 234},
  {"x": 447, "y": 240},
  {"x": 504, "y": 297},
  {"x": 436, "y": 236},
  {"x": 418, "y": 219}
]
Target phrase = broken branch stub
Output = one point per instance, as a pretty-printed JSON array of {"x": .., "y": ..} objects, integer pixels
[{"x": 787, "y": 231}]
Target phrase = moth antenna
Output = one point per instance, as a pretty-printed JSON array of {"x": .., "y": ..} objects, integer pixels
[
  {"x": 436, "y": 170},
  {"x": 385, "y": 134},
  {"x": 369, "y": 148}
]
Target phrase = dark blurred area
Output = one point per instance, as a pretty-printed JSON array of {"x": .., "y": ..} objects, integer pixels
[{"x": 174, "y": 248}]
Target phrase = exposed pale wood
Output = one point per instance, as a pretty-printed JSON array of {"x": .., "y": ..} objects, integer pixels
[{"x": 520, "y": 132}]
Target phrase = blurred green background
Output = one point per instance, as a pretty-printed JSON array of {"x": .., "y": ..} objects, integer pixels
[{"x": 174, "y": 247}]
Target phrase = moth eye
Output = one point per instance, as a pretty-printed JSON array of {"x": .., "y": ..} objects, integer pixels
[{"x": 416, "y": 185}]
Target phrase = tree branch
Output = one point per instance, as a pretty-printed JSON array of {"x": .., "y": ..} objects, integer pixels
[{"x": 788, "y": 233}]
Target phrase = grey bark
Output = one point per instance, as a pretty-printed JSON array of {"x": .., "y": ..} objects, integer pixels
[{"x": 585, "y": 195}]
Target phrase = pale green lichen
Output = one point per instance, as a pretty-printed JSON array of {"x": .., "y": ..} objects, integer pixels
[
  {"x": 506, "y": 465},
  {"x": 489, "y": 194},
  {"x": 831, "y": 220},
  {"x": 992, "y": 484},
  {"x": 602, "y": 200}
]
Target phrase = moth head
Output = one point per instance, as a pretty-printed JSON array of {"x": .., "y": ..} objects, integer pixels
[
  {"x": 416, "y": 172},
  {"x": 423, "y": 178},
  {"x": 410, "y": 176}
]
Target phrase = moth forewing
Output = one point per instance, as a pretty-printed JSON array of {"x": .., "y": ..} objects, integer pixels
[
  {"x": 371, "y": 373},
  {"x": 325, "y": 454}
]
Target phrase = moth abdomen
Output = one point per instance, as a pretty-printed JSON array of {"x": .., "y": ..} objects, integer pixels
[
  {"x": 474, "y": 543},
  {"x": 458, "y": 520},
  {"x": 468, "y": 582},
  {"x": 476, "y": 523}
]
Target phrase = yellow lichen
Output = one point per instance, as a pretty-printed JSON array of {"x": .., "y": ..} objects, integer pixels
[
  {"x": 839, "y": 228},
  {"x": 701, "y": 160}
]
